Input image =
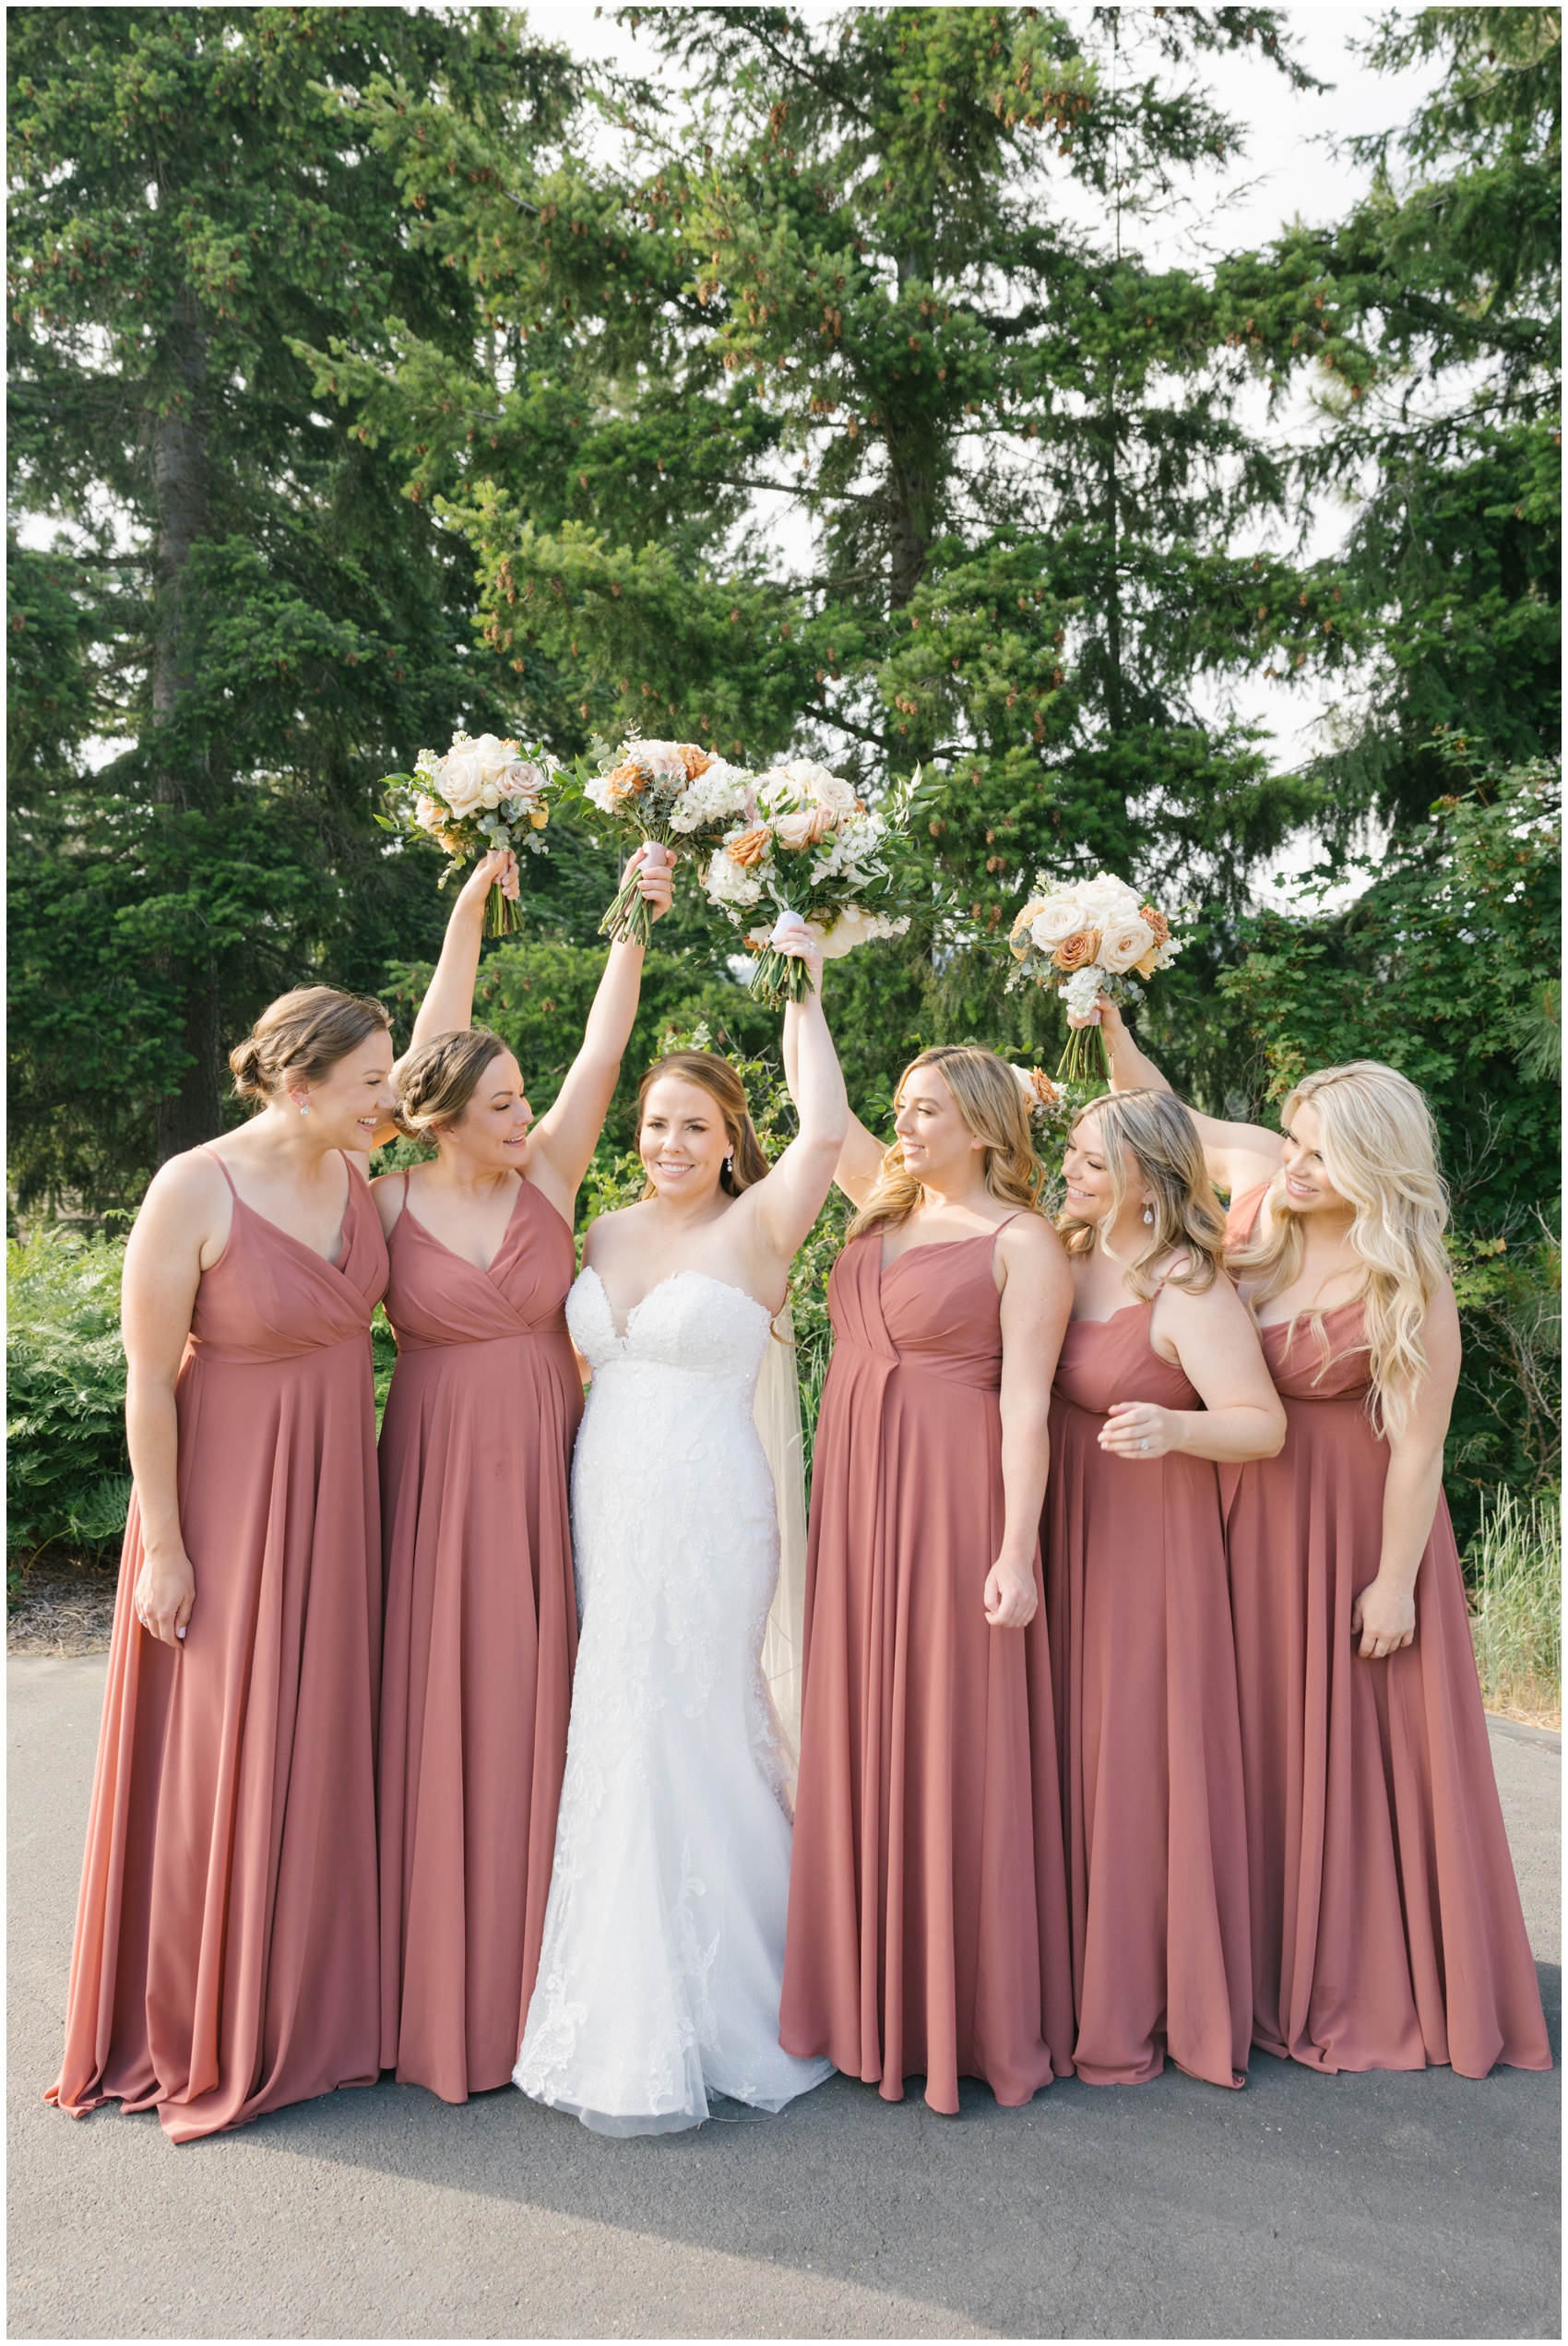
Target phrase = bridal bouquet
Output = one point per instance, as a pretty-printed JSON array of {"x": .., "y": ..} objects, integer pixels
[
  {"x": 672, "y": 793},
  {"x": 482, "y": 794},
  {"x": 810, "y": 846},
  {"x": 1100, "y": 939}
]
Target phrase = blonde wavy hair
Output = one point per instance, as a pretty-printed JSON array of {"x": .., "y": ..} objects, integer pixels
[
  {"x": 1155, "y": 1130},
  {"x": 1379, "y": 1147},
  {"x": 988, "y": 1096}
]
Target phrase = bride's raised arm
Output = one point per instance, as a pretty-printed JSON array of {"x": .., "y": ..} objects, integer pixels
[
  {"x": 787, "y": 1203},
  {"x": 859, "y": 1159}
]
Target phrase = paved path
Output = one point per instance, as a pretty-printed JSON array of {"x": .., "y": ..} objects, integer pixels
[{"x": 1409, "y": 2207}]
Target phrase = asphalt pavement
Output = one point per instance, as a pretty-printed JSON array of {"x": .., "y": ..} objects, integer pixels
[{"x": 1421, "y": 2206}]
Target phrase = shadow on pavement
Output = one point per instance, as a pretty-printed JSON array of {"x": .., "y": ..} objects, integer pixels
[{"x": 1413, "y": 2205}]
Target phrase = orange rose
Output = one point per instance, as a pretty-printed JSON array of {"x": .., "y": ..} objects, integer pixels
[
  {"x": 1044, "y": 1090},
  {"x": 626, "y": 782},
  {"x": 749, "y": 848},
  {"x": 1075, "y": 952},
  {"x": 1147, "y": 966},
  {"x": 698, "y": 760},
  {"x": 1156, "y": 922}
]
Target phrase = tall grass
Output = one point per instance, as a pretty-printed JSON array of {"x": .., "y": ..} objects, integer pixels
[{"x": 1516, "y": 1591}]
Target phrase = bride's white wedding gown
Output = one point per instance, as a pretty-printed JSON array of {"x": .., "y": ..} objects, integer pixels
[{"x": 663, "y": 1952}]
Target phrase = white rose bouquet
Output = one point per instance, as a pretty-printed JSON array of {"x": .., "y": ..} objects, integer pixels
[
  {"x": 1088, "y": 938},
  {"x": 672, "y": 793},
  {"x": 810, "y": 846},
  {"x": 482, "y": 794}
]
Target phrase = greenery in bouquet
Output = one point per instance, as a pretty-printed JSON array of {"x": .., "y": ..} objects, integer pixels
[
  {"x": 484, "y": 793},
  {"x": 1089, "y": 938},
  {"x": 674, "y": 793},
  {"x": 810, "y": 845},
  {"x": 1054, "y": 1108}
]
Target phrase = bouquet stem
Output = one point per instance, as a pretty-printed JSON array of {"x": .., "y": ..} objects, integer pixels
[
  {"x": 627, "y": 920},
  {"x": 779, "y": 977},
  {"x": 1084, "y": 1061},
  {"x": 501, "y": 915}
]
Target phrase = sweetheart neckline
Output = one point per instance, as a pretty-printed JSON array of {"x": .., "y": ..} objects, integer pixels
[{"x": 589, "y": 1270}]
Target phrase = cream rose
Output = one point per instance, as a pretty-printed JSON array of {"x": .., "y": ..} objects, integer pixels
[
  {"x": 1108, "y": 900},
  {"x": 1058, "y": 917},
  {"x": 1123, "y": 944},
  {"x": 828, "y": 790},
  {"x": 469, "y": 774},
  {"x": 664, "y": 759},
  {"x": 796, "y": 831}
]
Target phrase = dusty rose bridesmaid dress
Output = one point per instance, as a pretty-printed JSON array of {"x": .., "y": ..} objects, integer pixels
[
  {"x": 480, "y": 1638},
  {"x": 927, "y": 1925},
  {"x": 1146, "y": 1679},
  {"x": 225, "y": 1952},
  {"x": 1386, "y": 1925}
]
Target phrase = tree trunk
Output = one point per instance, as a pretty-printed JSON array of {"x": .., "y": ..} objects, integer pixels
[
  {"x": 194, "y": 1112},
  {"x": 1112, "y": 570},
  {"x": 908, "y": 541}
]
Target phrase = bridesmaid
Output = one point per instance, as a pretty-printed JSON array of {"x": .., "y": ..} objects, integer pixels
[
  {"x": 1160, "y": 1376},
  {"x": 475, "y": 1446},
  {"x": 1386, "y": 1925},
  {"x": 225, "y": 1953},
  {"x": 928, "y": 1921}
]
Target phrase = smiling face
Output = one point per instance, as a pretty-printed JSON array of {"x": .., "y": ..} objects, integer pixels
[
  {"x": 490, "y": 1133},
  {"x": 683, "y": 1140},
  {"x": 1307, "y": 1187},
  {"x": 1087, "y": 1177},
  {"x": 352, "y": 1100},
  {"x": 939, "y": 1149}
]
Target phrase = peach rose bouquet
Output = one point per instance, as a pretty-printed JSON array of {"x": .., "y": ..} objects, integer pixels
[
  {"x": 673, "y": 793},
  {"x": 808, "y": 844},
  {"x": 1088, "y": 938},
  {"x": 484, "y": 793}
]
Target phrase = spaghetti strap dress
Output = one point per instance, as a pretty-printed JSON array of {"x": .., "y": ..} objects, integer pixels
[
  {"x": 1140, "y": 1637},
  {"x": 225, "y": 1954},
  {"x": 928, "y": 1918},
  {"x": 1387, "y": 1932},
  {"x": 481, "y": 1631}
]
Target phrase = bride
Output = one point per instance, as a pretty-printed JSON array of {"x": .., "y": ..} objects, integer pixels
[{"x": 663, "y": 1953}]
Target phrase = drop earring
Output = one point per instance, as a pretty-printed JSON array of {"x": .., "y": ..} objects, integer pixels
[
  {"x": 304, "y": 1107},
  {"x": 1148, "y": 1213},
  {"x": 729, "y": 1161}
]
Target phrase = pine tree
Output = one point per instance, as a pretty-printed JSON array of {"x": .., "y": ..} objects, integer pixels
[
  {"x": 1432, "y": 319},
  {"x": 238, "y": 600},
  {"x": 856, "y": 289}
]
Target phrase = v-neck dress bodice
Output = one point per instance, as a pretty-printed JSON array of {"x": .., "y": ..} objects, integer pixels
[
  {"x": 928, "y": 1919},
  {"x": 476, "y": 1451},
  {"x": 225, "y": 1953},
  {"x": 1387, "y": 1931}
]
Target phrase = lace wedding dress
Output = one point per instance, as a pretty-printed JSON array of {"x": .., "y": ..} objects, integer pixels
[{"x": 663, "y": 1953}]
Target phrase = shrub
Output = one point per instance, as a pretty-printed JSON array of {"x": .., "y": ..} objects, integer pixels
[
  {"x": 1516, "y": 1572},
  {"x": 67, "y": 1477}
]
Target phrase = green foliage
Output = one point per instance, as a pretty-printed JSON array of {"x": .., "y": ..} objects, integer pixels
[
  {"x": 67, "y": 1476},
  {"x": 1515, "y": 1570},
  {"x": 237, "y": 599},
  {"x": 1446, "y": 968},
  {"x": 1432, "y": 320},
  {"x": 1016, "y": 448}
]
